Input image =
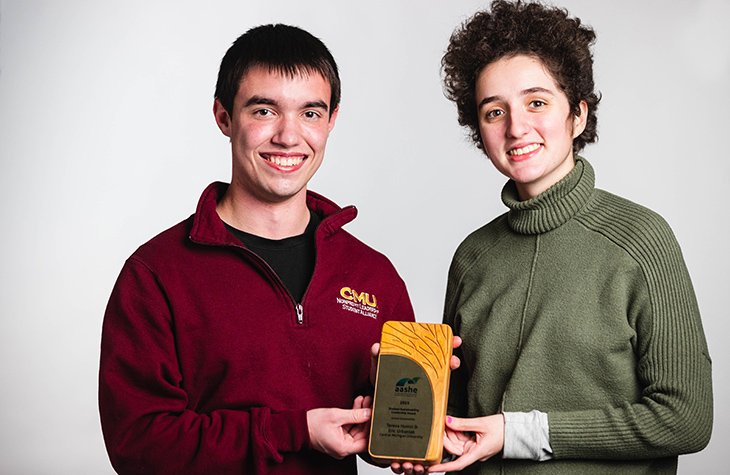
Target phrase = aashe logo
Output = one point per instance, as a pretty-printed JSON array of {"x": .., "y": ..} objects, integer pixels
[{"x": 406, "y": 386}]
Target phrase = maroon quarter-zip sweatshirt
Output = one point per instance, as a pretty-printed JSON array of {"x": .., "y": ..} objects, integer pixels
[{"x": 208, "y": 365}]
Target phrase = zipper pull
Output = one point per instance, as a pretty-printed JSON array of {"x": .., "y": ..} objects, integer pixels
[{"x": 300, "y": 313}]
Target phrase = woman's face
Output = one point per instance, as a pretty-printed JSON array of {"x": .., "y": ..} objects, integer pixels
[{"x": 525, "y": 122}]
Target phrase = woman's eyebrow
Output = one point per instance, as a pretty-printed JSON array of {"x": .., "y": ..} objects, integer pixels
[{"x": 525, "y": 92}]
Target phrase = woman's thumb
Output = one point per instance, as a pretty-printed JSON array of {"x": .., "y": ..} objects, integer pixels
[{"x": 459, "y": 424}]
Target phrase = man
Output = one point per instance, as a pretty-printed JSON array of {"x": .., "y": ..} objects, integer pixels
[{"x": 232, "y": 341}]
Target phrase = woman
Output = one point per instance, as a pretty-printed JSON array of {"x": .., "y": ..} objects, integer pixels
[{"x": 583, "y": 348}]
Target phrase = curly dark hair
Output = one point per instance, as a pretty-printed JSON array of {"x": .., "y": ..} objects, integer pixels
[{"x": 511, "y": 28}]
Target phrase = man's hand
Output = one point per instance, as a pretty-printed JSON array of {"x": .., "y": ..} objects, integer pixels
[
  {"x": 375, "y": 351},
  {"x": 340, "y": 432},
  {"x": 408, "y": 468}
]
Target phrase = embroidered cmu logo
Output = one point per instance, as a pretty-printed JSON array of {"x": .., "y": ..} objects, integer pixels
[
  {"x": 363, "y": 298},
  {"x": 362, "y": 303}
]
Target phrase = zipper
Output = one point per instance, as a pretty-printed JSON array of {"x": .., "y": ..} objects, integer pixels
[
  {"x": 300, "y": 313},
  {"x": 298, "y": 308}
]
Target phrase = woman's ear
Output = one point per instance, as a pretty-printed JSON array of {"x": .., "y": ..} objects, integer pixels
[{"x": 579, "y": 121}]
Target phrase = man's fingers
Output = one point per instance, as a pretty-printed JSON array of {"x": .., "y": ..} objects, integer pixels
[
  {"x": 360, "y": 437},
  {"x": 407, "y": 468},
  {"x": 455, "y": 361},
  {"x": 418, "y": 468},
  {"x": 358, "y": 402},
  {"x": 395, "y": 467},
  {"x": 374, "y": 351},
  {"x": 359, "y": 446}
]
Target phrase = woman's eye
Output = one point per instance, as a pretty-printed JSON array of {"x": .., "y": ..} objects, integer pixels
[
  {"x": 537, "y": 103},
  {"x": 494, "y": 113}
]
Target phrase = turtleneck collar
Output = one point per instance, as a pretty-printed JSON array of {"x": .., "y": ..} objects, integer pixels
[{"x": 553, "y": 207}]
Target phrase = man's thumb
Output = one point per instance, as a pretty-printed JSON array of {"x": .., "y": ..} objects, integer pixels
[{"x": 360, "y": 415}]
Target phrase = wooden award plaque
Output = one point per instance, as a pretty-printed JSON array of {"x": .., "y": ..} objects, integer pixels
[{"x": 411, "y": 392}]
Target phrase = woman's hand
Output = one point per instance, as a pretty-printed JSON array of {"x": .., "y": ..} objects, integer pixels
[{"x": 475, "y": 439}]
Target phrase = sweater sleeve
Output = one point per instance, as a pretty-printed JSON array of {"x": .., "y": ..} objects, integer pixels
[
  {"x": 147, "y": 424},
  {"x": 673, "y": 414}
]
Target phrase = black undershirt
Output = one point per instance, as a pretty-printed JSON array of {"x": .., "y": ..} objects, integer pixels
[{"x": 292, "y": 258}]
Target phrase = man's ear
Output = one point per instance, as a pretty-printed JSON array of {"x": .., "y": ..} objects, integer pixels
[
  {"x": 222, "y": 118},
  {"x": 333, "y": 117}
]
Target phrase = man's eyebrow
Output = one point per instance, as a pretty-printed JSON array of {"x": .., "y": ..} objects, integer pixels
[
  {"x": 316, "y": 105},
  {"x": 260, "y": 100},
  {"x": 525, "y": 92}
]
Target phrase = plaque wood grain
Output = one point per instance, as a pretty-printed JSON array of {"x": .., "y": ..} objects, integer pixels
[{"x": 429, "y": 346}]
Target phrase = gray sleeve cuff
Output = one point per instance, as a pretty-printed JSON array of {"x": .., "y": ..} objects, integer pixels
[{"x": 527, "y": 436}]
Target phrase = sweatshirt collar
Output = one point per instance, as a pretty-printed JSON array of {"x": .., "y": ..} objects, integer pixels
[
  {"x": 208, "y": 228},
  {"x": 553, "y": 207}
]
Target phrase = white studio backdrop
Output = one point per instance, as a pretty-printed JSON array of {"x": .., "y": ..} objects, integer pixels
[{"x": 107, "y": 137}]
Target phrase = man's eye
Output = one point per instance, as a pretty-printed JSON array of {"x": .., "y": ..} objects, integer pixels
[
  {"x": 311, "y": 114},
  {"x": 262, "y": 112}
]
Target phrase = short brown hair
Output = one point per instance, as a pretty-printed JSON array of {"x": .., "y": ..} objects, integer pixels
[{"x": 283, "y": 48}]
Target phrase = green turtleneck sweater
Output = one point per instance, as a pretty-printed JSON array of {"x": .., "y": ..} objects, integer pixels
[{"x": 578, "y": 303}]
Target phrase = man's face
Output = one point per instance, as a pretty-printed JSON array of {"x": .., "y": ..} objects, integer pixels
[{"x": 278, "y": 130}]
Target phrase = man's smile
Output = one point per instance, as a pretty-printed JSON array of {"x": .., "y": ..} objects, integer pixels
[{"x": 284, "y": 160}]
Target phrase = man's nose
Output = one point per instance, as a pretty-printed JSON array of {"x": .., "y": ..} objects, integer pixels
[{"x": 287, "y": 132}]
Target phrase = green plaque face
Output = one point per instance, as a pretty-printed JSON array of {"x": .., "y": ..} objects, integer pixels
[{"x": 403, "y": 416}]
